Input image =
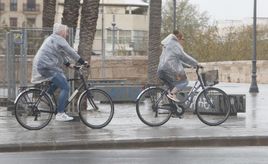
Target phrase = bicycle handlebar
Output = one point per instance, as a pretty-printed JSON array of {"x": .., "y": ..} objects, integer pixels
[{"x": 79, "y": 67}]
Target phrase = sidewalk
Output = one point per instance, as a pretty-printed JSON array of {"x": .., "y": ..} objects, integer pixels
[{"x": 127, "y": 131}]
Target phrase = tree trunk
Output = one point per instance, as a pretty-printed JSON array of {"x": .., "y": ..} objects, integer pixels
[
  {"x": 71, "y": 14},
  {"x": 49, "y": 11},
  {"x": 89, "y": 17},
  {"x": 154, "y": 40}
]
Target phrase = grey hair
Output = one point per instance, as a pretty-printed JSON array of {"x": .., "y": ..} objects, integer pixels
[{"x": 57, "y": 28}]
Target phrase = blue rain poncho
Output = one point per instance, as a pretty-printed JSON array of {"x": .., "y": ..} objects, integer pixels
[
  {"x": 52, "y": 55},
  {"x": 172, "y": 59}
]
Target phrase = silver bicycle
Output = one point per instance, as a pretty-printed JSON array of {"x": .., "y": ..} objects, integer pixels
[{"x": 211, "y": 104}]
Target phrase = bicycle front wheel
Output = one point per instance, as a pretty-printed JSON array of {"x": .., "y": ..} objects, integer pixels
[
  {"x": 212, "y": 106},
  {"x": 153, "y": 107},
  {"x": 96, "y": 108},
  {"x": 32, "y": 110}
]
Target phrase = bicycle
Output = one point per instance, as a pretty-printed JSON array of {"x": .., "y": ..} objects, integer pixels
[
  {"x": 34, "y": 107},
  {"x": 211, "y": 105}
]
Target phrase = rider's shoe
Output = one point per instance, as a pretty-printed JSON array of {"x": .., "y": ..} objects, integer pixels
[
  {"x": 173, "y": 97},
  {"x": 63, "y": 117}
]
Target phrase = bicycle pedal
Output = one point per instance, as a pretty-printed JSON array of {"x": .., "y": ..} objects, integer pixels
[{"x": 179, "y": 110}]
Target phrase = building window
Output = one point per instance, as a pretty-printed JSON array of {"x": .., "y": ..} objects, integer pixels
[
  {"x": 30, "y": 22},
  {"x": 139, "y": 11},
  {"x": 31, "y": 5},
  {"x": 13, "y": 5},
  {"x": 136, "y": 10},
  {"x": 2, "y": 6},
  {"x": 140, "y": 39},
  {"x": 13, "y": 22},
  {"x": 124, "y": 36}
]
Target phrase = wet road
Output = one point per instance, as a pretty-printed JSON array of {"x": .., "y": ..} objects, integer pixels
[
  {"x": 126, "y": 130},
  {"x": 219, "y": 155}
]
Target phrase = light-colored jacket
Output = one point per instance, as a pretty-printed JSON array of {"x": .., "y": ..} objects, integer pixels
[
  {"x": 51, "y": 57},
  {"x": 173, "y": 57}
]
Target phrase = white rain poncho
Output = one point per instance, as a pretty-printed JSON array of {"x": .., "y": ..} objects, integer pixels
[
  {"x": 51, "y": 56},
  {"x": 172, "y": 59}
]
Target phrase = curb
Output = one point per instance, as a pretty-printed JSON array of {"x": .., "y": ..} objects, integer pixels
[{"x": 139, "y": 143}]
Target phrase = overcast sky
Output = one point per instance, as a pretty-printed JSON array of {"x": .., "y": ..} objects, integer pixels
[{"x": 231, "y": 9}]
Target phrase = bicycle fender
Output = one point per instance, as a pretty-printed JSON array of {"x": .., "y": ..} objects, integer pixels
[
  {"x": 22, "y": 93},
  {"x": 53, "y": 103},
  {"x": 138, "y": 97}
]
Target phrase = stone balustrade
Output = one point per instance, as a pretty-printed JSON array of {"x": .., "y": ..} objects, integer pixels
[{"x": 134, "y": 69}]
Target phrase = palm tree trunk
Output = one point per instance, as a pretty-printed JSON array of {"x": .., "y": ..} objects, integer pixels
[
  {"x": 154, "y": 40},
  {"x": 71, "y": 14},
  {"x": 49, "y": 11},
  {"x": 89, "y": 17}
]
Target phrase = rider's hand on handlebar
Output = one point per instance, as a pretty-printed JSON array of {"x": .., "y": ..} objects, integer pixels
[
  {"x": 200, "y": 66},
  {"x": 86, "y": 64},
  {"x": 197, "y": 66},
  {"x": 71, "y": 65}
]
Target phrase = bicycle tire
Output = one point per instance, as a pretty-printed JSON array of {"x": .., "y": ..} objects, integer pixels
[
  {"x": 215, "y": 111},
  {"x": 96, "y": 108},
  {"x": 31, "y": 115},
  {"x": 150, "y": 113}
]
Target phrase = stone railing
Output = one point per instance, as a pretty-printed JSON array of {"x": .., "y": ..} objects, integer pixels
[
  {"x": 134, "y": 69},
  {"x": 238, "y": 71}
]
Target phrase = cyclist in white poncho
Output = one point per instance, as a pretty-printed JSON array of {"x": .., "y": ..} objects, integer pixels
[
  {"x": 170, "y": 68},
  {"x": 48, "y": 65}
]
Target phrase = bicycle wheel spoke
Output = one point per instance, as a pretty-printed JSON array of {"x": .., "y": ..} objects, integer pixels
[
  {"x": 32, "y": 111},
  {"x": 151, "y": 107},
  {"x": 212, "y": 106},
  {"x": 96, "y": 108}
]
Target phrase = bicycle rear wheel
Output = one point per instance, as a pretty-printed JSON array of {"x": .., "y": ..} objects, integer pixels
[
  {"x": 96, "y": 108},
  {"x": 212, "y": 106},
  {"x": 153, "y": 107},
  {"x": 32, "y": 111}
]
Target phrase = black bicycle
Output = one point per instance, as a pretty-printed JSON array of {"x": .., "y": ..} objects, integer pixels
[
  {"x": 211, "y": 104},
  {"x": 34, "y": 107}
]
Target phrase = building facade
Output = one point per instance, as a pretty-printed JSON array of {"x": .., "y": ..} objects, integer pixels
[
  {"x": 122, "y": 27},
  {"x": 225, "y": 25},
  {"x": 21, "y": 13}
]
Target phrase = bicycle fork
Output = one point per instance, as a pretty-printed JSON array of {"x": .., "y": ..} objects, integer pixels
[
  {"x": 208, "y": 100},
  {"x": 90, "y": 100}
]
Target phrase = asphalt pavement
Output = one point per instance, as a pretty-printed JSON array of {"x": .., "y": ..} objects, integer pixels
[{"x": 127, "y": 131}]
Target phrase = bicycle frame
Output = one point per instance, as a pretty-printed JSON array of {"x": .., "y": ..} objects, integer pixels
[
  {"x": 187, "y": 101},
  {"x": 83, "y": 86},
  {"x": 205, "y": 101},
  {"x": 199, "y": 83}
]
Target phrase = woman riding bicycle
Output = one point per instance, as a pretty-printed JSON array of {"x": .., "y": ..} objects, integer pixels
[
  {"x": 170, "y": 68},
  {"x": 48, "y": 62}
]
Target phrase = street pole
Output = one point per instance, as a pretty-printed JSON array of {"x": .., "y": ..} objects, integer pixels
[
  {"x": 113, "y": 25},
  {"x": 102, "y": 43},
  {"x": 174, "y": 14},
  {"x": 254, "y": 87}
]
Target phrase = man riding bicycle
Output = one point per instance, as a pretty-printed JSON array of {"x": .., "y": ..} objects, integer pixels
[{"x": 54, "y": 53}]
